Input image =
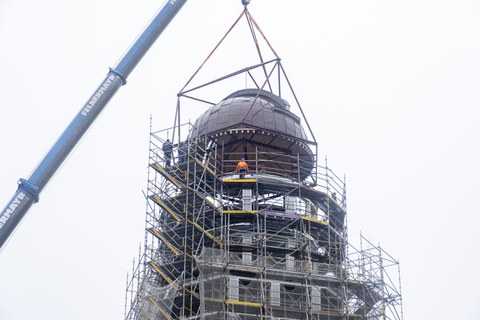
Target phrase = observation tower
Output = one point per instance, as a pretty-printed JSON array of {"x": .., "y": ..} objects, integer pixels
[{"x": 269, "y": 245}]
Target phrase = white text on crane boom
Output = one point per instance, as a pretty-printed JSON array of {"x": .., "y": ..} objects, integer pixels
[
  {"x": 98, "y": 94},
  {"x": 9, "y": 210}
]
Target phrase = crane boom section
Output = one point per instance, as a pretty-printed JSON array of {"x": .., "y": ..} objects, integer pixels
[{"x": 28, "y": 190}]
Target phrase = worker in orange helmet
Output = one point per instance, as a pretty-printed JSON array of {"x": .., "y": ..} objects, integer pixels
[{"x": 242, "y": 168}]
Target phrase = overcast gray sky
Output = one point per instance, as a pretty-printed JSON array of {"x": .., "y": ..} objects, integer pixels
[{"x": 391, "y": 89}]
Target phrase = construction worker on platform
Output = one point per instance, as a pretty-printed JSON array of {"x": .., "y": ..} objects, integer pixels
[
  {"x": 242, "y": 168},
  {"x": 182, "y": 151},
  {"x": 167, "y": 151}
]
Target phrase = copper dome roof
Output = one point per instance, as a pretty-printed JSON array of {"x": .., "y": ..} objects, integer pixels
[
  {"x": 258, "y": 126},
  {"x": 244, "y": 109}
]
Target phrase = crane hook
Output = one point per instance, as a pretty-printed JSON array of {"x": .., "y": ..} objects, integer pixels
[{"x": 246, "y": 2}]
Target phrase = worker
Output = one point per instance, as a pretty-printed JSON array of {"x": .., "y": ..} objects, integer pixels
[
  {"x": 167, "y": 151},
  {"x": 182, "y": 151},
  {"x": 242, "y": 168},
  {"x": 334, "y": 196}
]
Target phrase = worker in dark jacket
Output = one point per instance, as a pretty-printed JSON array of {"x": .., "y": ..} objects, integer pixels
[
  {"x": 242, "y": 168},
  {"x": 182, "y": 151},
  {"x": 167, "y": 151}
]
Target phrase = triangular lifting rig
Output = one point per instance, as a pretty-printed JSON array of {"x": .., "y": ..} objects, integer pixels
[{"x": 269, "y": 70}]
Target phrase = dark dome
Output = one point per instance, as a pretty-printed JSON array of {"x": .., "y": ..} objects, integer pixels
[
  {"x": 243, "y": 109},
  {"x": 259, "y": 126}
]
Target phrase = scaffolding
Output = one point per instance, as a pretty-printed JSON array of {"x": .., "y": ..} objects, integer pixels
[
  {"x": 270, "y": 244},
  {"x": 265, "y": 246}
]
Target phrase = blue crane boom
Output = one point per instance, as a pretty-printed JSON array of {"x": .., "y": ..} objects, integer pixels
[{"x": 29, "y": 189}]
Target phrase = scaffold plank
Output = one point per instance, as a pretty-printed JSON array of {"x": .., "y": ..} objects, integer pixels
[
  {"x": 240, "y": 211},
  {"x": 150, "y": 298},
  {"x": 160, "y": 169},
  {"x": 164, "y": 276},
  {"x": 315, "y": 220},
  {"x": 162, "y": 238},
  {"x": 243, "y": 303},
  {"x": 208, "y": 234},
  {"x": 165, "y": 206},
  {"x": 251, "y": 180}
]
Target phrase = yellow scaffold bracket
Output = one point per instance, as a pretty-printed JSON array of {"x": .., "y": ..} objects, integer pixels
[
  {"x": 164, "y": 276},
  {"x": 159, "y": 307},
  {"x": 161, "y": 237},
  {"x": 240, "y": 180},
  {"x": 208, "y": 234},
  {"x": 164, "y": 172},
  {"x": 243, "y": 303},
  {"x": 164, "y": 206},
  {"x": 315, "y": 220},
  {"x": 240, "y": 211}
]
